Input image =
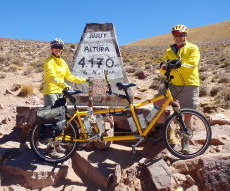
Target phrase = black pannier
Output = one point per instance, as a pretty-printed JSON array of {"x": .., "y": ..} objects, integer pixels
[{"x": 49, "y": 114}]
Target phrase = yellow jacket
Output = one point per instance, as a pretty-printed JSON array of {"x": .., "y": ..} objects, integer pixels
[
  {"x": 55, "y": 71},
  {"x": 188, "y": 73}
]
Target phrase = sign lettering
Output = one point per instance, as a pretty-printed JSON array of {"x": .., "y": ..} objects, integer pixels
[
  {"x": 96, "y": 49},
  {"x": 97, "y": 35}
]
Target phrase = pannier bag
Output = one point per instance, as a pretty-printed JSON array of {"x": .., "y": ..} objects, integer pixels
[{"x": 51, "y": 115}]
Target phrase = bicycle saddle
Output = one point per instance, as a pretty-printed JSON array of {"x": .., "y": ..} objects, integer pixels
[
  {"x": 72, "y": 92},
  {"x": 121, "y": 85}
]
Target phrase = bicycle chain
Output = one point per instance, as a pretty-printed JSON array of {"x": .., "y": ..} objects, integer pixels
[{"x": 126, "y": 133}]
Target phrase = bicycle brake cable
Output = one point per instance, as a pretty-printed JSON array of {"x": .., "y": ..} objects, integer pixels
[{"x": 108, "y": 82}]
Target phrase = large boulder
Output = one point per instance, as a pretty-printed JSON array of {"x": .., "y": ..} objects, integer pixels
[
  {"x": 209, "y": 171},
  {"x": 28, "y": 170}
]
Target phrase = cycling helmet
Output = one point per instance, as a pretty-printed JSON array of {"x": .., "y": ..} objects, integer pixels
[
  {"x": 180, "y": 29},
  {"x": 57, "y": 42}
]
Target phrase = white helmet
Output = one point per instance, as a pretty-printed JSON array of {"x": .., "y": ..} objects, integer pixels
[{"x": 57, "y": 42}]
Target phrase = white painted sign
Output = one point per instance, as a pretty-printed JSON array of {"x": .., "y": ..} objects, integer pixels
[{"x": 97, "y": 53}]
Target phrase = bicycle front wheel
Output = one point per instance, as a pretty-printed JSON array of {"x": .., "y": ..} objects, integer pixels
[
  {"x": 54, "y": 149},
  {"x": 188, "y": 134}
]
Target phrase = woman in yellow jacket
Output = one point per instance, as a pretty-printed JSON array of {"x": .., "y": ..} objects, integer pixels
[{"x": 56, "y": 71}]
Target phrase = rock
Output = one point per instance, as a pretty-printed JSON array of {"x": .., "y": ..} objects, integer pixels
[
  {"x": 160, "y": 174},
  {"x": 216, "y": 172},
  {"x": 180, "y": 179},
  {"x": 87, "y": 172},
  {"x": 121, "y": 122},
  {"x": 208, "y": 171},
  {"x": 219, "y": 118},
  {"x": 220, "y": 134},
  {"x": 25, "y": 119},
  {"x": 142, "y": 161},
  {"x": 116, "y": 177},
  {"x": 186, "y": 166},
  {"x": 190, "y": 180},
  {"x": 31, "y": 172},
  {"x": 183, "y": 180},
  {"x": 26, "y": 116}
]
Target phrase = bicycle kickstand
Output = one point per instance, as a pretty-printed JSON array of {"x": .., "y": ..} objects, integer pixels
[
  {"x": 95, "y": 137},
  {"x": 135, "y": 145}
]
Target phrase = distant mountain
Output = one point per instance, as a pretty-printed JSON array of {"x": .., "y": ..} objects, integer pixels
[{"x": 202, "y": 34}]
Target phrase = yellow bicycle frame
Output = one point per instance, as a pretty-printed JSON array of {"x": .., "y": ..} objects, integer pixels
[{"x": 142, "y": 131}]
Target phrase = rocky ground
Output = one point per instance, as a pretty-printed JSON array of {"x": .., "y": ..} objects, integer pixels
[{"x": 21, "y": 78}]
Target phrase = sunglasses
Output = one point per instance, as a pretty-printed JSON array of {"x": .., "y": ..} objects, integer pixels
[
  {"x": 179, "y": 35},
  {"x": 57, "y": 47}
]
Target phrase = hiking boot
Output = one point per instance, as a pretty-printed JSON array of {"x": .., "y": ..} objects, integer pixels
[
  {"x": 173, "y": 138},
  {"x": 185, "y": 146},
  {"x": 60, "y": 149},
  {"x": 56, "y": 151},
  {"x": 55, "y": 154}
]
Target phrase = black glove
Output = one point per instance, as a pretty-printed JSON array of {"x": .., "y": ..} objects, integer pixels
[
  {"x": 65, "y": 90},
  {"x": 175, "y": 64}
]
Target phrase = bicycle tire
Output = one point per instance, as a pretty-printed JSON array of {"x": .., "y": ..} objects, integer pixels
[
  {"x": 40, "y": 145},
  {"x": 196, "y": 142}
]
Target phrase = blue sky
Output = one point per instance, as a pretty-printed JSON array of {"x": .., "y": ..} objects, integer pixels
[{"x": 133, "y": 19}]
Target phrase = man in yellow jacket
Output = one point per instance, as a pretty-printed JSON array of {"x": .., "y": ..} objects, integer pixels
[
  {"x": 56, "y": 71},
  {"x": 185, "y": 83}
]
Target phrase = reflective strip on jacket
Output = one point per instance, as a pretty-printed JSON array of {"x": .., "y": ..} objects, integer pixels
[
  {"x": 188, "y": 73},
  {"x": 55, "y": 71}
]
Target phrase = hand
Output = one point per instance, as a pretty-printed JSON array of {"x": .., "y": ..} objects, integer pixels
[
  {"x": 175, "y": 64},
  {"x": 65, "y": 90},
  {"x": 90, "y": 81},
  {"x": 163, "y": 65}
]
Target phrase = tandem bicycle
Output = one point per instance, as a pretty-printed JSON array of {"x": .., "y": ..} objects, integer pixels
[{"x": 195, "y": 135}]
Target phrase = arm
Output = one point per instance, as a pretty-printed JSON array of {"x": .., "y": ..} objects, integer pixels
[
  {"x": 193, "y": 59},
  {"x": 70, "y": 77},
  {"x": 163, "y": 63}
]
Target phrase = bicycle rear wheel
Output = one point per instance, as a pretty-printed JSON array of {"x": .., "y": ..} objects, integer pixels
[
  {"x": 191, "y": 143},
  {"x": 54, "y": 149}
]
